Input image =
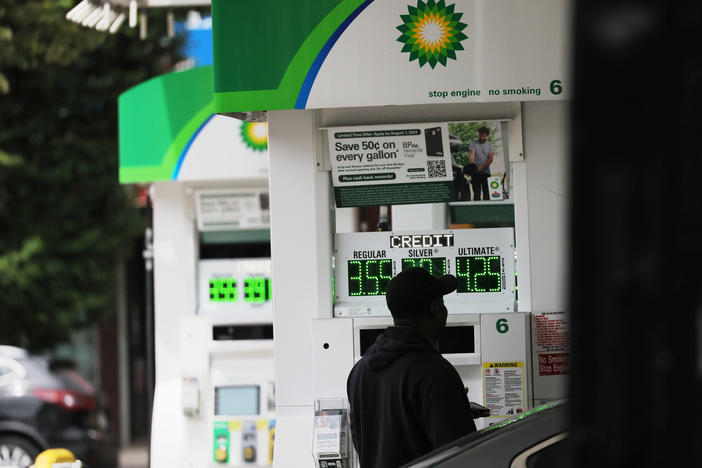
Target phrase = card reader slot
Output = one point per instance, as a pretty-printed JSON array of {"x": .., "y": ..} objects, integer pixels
[
  {"x": 242, "y": 332},
  {"x": 459, "y": 339},
  {"x": 367, "y": 337}
]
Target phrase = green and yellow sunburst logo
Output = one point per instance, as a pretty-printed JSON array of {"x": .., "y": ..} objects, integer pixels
[
  {"x": 255, "y": 135},
  {"x": 432, "y": 32}
]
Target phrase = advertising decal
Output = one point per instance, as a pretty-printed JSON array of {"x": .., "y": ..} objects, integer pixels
[{"x": 417, "y": 163}]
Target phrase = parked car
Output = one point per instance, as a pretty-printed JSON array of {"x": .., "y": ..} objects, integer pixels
[
  {"x": 534, "y": 439},
  {"x": 47, "y": 405}
]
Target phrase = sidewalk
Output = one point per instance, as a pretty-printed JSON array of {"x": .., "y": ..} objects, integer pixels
[{"x": 134, "y": 456}]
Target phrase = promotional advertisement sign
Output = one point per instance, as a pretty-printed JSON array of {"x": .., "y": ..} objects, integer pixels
[
  {"x": 390, "y": 164},
  {"x": 344, "y": 53},
  {"x": 417, "y": 163}
]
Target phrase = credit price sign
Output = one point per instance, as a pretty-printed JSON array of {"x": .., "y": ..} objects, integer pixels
[
  {"x": 236, "y": 285},
  {"x": 481, "y": 259}
]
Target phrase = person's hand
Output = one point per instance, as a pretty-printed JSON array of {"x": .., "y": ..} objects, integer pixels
[{"x": 478, "y": 411}]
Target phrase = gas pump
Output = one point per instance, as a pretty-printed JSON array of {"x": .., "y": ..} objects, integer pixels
[
  {"x": 235, "y": 295},
  {"x": 214, "y": 400},
  {"x": 489, "y": 327},
  {"x": 484, "y": 339},
  {"x": 224, "y": 360},
  {"x": 344, "y": 88}
]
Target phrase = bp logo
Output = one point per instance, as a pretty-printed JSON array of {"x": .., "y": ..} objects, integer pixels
[
  {"x": 432, "y": 32},
  {"x": 494, "y": 184},
  {"x": 255, "y": 135}
]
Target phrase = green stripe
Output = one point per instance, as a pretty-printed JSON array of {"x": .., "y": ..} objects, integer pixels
[
  {"x": 177, "y": 147},
  {"x": 157, "y": 119},
  {"x": 285, "y": 96},
  {"x": 163, "y": 171}
]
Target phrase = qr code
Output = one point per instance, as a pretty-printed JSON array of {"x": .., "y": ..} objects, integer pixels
[{"x": 436, "y": 169}]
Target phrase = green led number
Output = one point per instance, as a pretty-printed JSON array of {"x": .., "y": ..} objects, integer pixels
[
  {"x": 479, "y": 274},
  {"x": 257, "y": 289},
  {"x": 374, "y": 272},
  {"x": 491, "y": 276},
  {"x": 223, "y": 290},
  {"x": 369, "y": 277},
  {"x": 434, "y": 265},
  {"x": 463, "y": 274},
  {"x": 384, "y": 273},
  {"x": 355, "y": 270},
  {"x": 373, "y": 290},
  {"x": 427, "y": 264}
]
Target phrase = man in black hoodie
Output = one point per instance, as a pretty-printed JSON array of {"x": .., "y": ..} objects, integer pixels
[{"x": 406, "y": 399}]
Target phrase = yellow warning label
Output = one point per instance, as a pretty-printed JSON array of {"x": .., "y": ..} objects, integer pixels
[
  {"x": 234, "y": 426},
  {"x": 504, "y": 388},
  {"x": 490, "y": 365}
]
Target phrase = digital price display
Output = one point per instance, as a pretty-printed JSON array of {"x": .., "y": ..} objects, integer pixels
[
  {"x": 235, "y": 285},
  {"x": 369, "y": 277},
  {"x": 434, "y": 265},
  {"x": 479, "y": 274},
  {"x": 256, "y": 289},
  {"x": 482, "y": 260},
  {"x": 223, "y": 290}
]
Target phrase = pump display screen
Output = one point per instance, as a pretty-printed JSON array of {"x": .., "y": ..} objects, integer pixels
[
  {"x": 482, "y": 260},
  {"x": 239, "y": 400},
  {"x": 235, "y": 285},
  {"x": 434, "y": 265},
  {"x": 253, "y": 289},
  {"x": 479, "y": 274},
  {"x": 257, "y": 289},
  {"x": 369, "y": 277}
]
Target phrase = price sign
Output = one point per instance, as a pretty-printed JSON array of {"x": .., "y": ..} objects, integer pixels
[
  {"x": 435, "y": 266},
  {"x": 223, "y": 290},
  {"x": 479, "y": 274},
  {"x": 369, "y": 277},
  {"x": 234, "y": 285},
  {"x": 481, "y": 259},
  {"x": 257, "y": 289}
]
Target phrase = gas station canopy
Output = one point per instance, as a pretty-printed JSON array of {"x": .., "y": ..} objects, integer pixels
[
  {"x": 346, "y": 53},
  {"x": 168, "y": 131}
]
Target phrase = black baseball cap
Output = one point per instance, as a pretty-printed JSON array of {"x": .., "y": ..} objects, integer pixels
[{"x": 412, "y": 290}]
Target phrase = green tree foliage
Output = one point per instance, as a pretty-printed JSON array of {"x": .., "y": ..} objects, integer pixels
[
  {"x": 64, "y": 218},
  {"x": 467, "y": 132}
]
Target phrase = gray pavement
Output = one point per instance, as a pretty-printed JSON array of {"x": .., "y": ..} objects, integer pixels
[{"x": 134, "y": 456}]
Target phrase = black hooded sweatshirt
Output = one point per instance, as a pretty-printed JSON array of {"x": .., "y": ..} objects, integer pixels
[{"x": 406, "y": 400}]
